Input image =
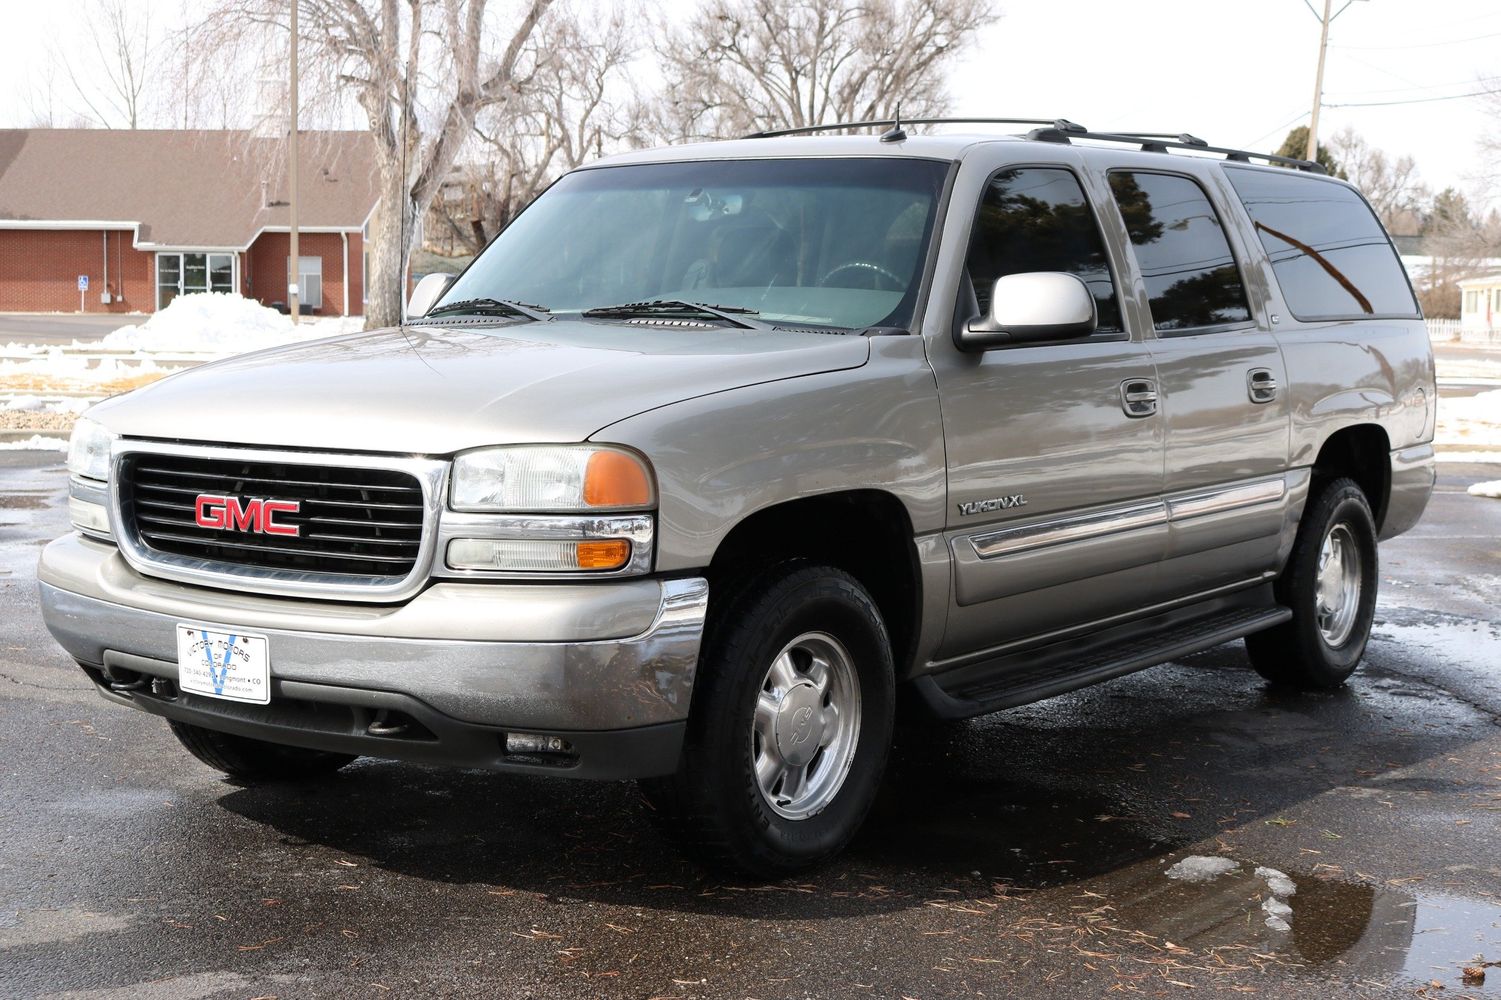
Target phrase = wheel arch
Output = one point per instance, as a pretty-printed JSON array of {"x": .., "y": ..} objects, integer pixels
[
  {"x": 865, "y": 532},
  {"x": 1361, "y": 452}
]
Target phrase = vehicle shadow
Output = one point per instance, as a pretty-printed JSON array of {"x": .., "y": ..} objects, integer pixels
[{"x": 1072, "y": 789}]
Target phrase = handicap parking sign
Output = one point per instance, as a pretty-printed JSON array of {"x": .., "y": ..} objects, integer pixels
[{"x": 83, "y": 282}]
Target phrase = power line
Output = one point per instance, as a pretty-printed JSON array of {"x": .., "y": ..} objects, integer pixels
[
  {"x": 1415, "y": 100},
  {"x": 1415, "y": 45}
]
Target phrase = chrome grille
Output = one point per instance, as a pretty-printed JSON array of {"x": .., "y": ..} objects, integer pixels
[{"x": 353, "y": 522}]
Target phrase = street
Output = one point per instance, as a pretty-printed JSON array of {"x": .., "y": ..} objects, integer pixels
[
  {"x": 48, "y": 328},
  {"x": 1022, "y": 854}
]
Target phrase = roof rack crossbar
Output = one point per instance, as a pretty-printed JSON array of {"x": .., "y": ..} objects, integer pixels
[{"x": 1159, "y": 142}]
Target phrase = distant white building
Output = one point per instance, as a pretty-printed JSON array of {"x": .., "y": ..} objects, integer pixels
[{"x": 1480, "y": 303}]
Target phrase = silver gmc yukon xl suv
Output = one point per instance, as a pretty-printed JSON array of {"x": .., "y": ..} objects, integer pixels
[{"x": 717, "y": 451}]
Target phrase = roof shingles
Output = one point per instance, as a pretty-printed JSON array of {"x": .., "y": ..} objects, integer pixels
[{"x": 184, "y": 188}]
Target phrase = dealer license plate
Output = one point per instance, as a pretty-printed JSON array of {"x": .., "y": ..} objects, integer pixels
[{"x": 229, "y": 665}]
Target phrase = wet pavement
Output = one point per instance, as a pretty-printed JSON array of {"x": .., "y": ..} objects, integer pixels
[{"x": 1023, "y": 854}]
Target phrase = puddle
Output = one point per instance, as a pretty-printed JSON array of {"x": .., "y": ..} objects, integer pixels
[{"x": 1330, "y": 926}]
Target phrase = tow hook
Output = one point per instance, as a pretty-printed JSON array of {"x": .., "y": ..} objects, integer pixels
[{"x": 382, "y": 726}]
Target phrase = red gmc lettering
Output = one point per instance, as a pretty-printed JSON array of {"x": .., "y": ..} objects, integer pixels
[{"x": 251, "y": 514}]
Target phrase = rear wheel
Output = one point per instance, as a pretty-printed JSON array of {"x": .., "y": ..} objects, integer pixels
[
  {"x": 790, "y": 729},
  {"x": 255, "y": 760},
  {"x": 1330, "y": 584}
]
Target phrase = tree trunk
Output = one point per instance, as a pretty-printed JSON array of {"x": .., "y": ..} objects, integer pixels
[{"x": 385, "y": 284}]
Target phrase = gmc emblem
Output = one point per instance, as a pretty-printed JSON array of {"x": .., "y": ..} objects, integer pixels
[{"x": 251, "y": 514}]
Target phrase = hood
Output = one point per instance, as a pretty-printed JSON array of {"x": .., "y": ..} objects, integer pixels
[{"x": 439, "y": 389}]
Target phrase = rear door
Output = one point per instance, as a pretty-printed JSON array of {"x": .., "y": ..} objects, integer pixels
[
  {"x": 1221, "y": 379},
  {"x": 1054, "y": 449}
]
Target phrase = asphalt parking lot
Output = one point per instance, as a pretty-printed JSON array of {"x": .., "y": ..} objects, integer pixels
[{"x": 1024, "y": 854}]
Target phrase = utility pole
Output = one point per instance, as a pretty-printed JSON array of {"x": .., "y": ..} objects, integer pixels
[
  {"x": 1318, "y": 87},
  {"x": 1318, "y": 79},
  {"x": 292, "y": 290}
]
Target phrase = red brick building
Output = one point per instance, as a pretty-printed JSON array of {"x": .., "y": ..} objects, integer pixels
[{"x": 142, "y": 216}]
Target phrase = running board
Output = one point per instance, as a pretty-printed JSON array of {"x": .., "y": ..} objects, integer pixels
[{"x": 1018, "y": 678}]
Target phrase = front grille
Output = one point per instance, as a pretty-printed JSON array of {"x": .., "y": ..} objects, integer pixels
[{"x": 351, "y": 522}]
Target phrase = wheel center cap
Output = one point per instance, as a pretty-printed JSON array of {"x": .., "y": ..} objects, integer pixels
[{"x": 799, "y": 726}]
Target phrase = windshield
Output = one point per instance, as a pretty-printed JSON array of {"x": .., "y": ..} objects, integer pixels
[{"x": 826, "y": 242}]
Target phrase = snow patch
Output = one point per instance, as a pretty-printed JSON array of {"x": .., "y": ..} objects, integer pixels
[
  {"x": 36, "y": 442},
  {"x": 1491, "y": 489},
  {"x": 1469, "y": 420},
  {"x": 1470, "y": 457},
  {"x": 1202, "y": 868},
  {"x": 1277, "y": 882}
]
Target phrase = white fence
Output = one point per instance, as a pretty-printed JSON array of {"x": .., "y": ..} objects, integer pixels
[{"x": 1451, "y": 331}]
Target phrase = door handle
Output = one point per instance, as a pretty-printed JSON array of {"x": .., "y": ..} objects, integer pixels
[
  {"x": 1261, "y": 385},
  {"x": 1139, "y": 397}
]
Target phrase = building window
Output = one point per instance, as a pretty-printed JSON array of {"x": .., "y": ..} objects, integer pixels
[
  {"x": 309, "y": 282},
  {"x": 187, "y": 273}
]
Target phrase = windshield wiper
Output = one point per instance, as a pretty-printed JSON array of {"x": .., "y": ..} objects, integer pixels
[
  {"x": 481, "y": 307},
  {"x": 677, "y": 307}
]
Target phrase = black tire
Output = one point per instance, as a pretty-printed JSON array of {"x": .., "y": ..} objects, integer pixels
[
  {"x": 255, "y": 761},
  {"x": 714, "y": 806},
  {"x": 1298, "y": 653}
]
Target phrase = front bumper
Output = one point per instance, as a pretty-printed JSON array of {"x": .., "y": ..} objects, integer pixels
[{"x": 607, "y": 666}]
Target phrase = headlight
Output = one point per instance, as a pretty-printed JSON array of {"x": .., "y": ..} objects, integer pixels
[
  {"x": 539, "y": 479},
  {"x": 89, "y": 450}
]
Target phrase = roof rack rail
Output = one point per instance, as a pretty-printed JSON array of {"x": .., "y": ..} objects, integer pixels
[
  {"x": 1062, "y": 124},
  {"x": 1059, "y": 130},
  {"x": 1161, "y": 142}
]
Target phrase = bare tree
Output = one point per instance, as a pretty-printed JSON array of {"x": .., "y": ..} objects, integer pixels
[
  {"x": 419, "y": 71},
  {"x": 580, "y": 104},
  {"x": 1460, "y": 244},
  {"x": 1391, "y": 185},
  {"x": 743, "y": 65},
  {"x": 117, "y": 60}
]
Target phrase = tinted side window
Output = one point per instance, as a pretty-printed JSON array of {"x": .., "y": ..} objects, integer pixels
[
  {"x": 1036, "y": 219},
  {"x": 1181, "y": 249},
  {"x": 1331, "y": 257}
]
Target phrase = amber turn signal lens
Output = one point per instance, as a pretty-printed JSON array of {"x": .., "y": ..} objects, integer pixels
[
  {"x": 610, "y": 554},
  {"x": 615, "y": 479}
]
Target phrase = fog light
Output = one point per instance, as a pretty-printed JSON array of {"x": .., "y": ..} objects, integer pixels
[
  {"x": 528, "y": 556},
  {"x": 86, "y": 516},
  {"x": 525, "y": 743}
]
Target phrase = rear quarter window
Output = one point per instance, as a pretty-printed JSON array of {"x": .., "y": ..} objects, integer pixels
[{"x": 1330, "y": 255}]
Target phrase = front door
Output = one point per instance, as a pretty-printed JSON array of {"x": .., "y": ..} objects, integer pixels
[
  {"x": 187, "y": 273},
  {"x": 1055, "y": 449}
]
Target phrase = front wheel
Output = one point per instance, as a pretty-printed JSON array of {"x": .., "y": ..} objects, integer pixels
[
  {"x": 790, "y": 728},
  {"x": 1330, "y": 584}
]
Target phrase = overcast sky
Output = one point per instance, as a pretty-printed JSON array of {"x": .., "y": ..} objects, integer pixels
[{"x": 1235, "y": 73}]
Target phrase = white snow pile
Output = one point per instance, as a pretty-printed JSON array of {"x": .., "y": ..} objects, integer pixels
[
  {"x": 1491, "y": 489},
  {"x": 1279, "y": 914},
  {"x": 1469, "y": 421},
  {"x": 211, "y": 323},
  {"x": 1202, "y": 868},
  {"x": 36, "y": 404},
  {"x": 54, "y": 366},
  {"x": 37, "y": 442}
]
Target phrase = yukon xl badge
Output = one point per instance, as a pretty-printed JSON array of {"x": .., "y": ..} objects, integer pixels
[{"x": 995, "y": 503}]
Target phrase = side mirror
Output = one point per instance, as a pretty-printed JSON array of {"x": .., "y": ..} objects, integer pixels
[
  {"x": 428, "y": 291},
  {"x": 1038, "y": 305}
]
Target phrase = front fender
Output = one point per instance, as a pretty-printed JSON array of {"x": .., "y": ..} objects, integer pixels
[{"x": 720, "y": 458}]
